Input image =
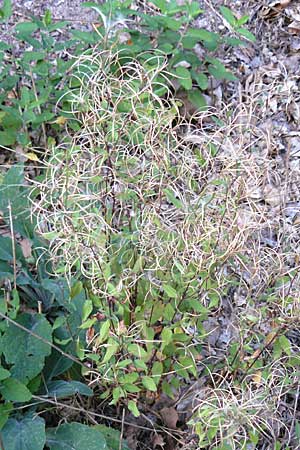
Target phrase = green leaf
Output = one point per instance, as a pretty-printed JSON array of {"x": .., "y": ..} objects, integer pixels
[
  {"x": 4, "y": 374},
  {"x": 61, "y": 389},
  {"x": 85, "y": 36},
  {"x": 6, "y": 10},
  {"x": 104, "y": 331},
  {"x": 218, "y": 70},
  {"x": 157, "y": 370},
  {"x": 285, "y": 344},
  {"x": 246, "y": 34},
  {"x": 137, "y": 351},
  {"x": 55, "y": 365},
  {"x": 184, "y": 77},
  {"x": 166, "y": 337},
  {"x": 5, "y": 410},
  {"x": 76, "y": 289},
  {"x": 47, "y": 18},
  {"x": 228, "y": 16},
  {"x": 149, "y": 384},
  {"x": 26, "y": 28},
  {"x": 25, "y": 352},
  {"x": 24, "y": 434},
  {"x": 209, "y": 39},
  {"x": 197, "y": 99},
  {"x": 201, "y": 79},
  {"x": 170, "y": 291},
  {"x": 169, "y": 312},
  {"x": 87, "y": 309},
  {"x": 15, "y": 391},
  {"x": 172, "y": 198},
  {"x": 111, "y": 350},
  {"x": 297, "y": 429},
  {"x": 189, "y": 42},
  {"x": 8, "y": 137},
  {"x": 112, "y": 437},
  {"x": 75, "y": 436},
  {"x": 132, "y": 406}
]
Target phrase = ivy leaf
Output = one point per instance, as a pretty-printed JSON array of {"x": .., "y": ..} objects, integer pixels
[
  {"x": 25, "y": 352},
  {"x": 184, "y": 77},
  {"x": 75, "y": 436},
  {"x": 25, "y": 434}
]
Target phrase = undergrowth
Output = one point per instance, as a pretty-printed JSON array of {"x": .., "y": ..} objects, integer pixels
[{"x": 136, "y": 259}]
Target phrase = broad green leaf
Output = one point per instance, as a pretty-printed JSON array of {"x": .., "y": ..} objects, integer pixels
[
  {"x": 112, "y": 437},
  {"x": 246, "y": 34},
  {"x": 26, "y": 28},
  {"x": 285, "y": 345},
  {"x": 4, "y": 374},
  {"x": 197, "y": 99},
  {"x": 8, "y": 137},
  {"x": 157, "y": 370},
  {"x": 25, "y": 352},
  {"x": 132, "y": 406},
  {"x": 129, "y": 378},
  {"x": 149, "y": 384},
  {"x": 184, "y": 77},
  {"x": 297, "y": 429},
  {"x": 170, "y": 291},
  {"x": 228, "y": 16},
  {"x": 5, "y": 410},
  {"x": 61, "y": 389},
  {"x": 169, "y": 312},
  {"x": 189, "y": 42},
  {"x": 75, "y": 436},
  {"x": 201, "y": 79},
  {"x": 104, "y": 331},
  {"x": 24, "y": 434},
  {"x": 166, "y": 337},
  {"x": 6, "y": 10},
  {"x": 56, "y": 364},
  {"x": 218, "y": 70},
  {"x": 15, "y": 391},
  {"x": 87, "y": 309},
  {"x": 137, "y": 350},
  {"x": 76, "y": 289},
  {"x": 111, "y": 350},
  {"x": 209, "y": 39},
  {"x": 84, "y": 36}
]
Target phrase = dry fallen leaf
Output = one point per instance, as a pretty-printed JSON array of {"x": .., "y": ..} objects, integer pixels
[
  {"x": 170, "y": 417},
  {"x": 32, "y": 156},
  {"x": 26, "y": 245},
  {"x": 158, "y": 441},
  {"x": 256, "y": 377},
  {"x": 61, "y": 120},
  {"x": 294, "y": 27},
  {"x": 270, "y": 337},
  {"x": 90, "y": 333}
]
